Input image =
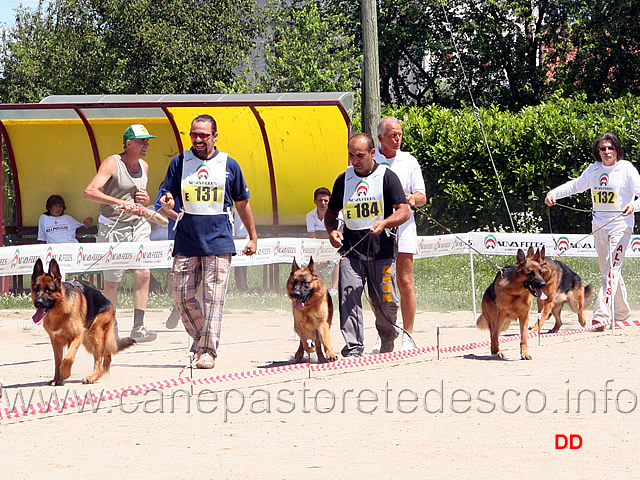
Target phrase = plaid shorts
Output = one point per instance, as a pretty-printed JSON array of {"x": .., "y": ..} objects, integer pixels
[{"x": 137, "y": 231}]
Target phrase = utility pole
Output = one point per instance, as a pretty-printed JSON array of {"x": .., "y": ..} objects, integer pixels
[{"x": 371, "y": 72}]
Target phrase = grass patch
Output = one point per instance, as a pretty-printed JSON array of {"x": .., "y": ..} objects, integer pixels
[
  {"x": 443, "y": 284},
  {"x": 20, "y": 301}
]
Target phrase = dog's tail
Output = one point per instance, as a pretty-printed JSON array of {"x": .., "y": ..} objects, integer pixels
[
  {"x": 125, "y": 343},
  {"x": 588, "y": 293},
  {"x": 115, "y": 344},
  {"x": 482, "y": 323}
]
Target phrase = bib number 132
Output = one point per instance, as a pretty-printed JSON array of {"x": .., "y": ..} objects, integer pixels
[{"x": 604, "y": 197}]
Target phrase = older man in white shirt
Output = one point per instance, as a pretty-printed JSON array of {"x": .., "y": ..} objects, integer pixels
[{"x": 407, "y": 168}]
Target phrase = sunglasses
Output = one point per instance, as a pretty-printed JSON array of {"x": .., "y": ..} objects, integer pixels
[
  {"x": 203, "y": 136},
  {"x": 604, "y": 149}
]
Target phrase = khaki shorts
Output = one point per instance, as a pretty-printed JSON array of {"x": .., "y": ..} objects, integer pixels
[{"x": 137, "y": 231}]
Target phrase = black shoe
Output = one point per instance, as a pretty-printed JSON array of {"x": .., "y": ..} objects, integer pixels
[
  {"x": 174, "y": 318},
  {"x": 387, "y": 346},
  {"x": 352, "y": 353},
  {"x": 142, "y": 335}
]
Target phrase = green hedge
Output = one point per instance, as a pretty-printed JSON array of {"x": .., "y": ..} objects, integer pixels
[{"x": 534, "y": 150}]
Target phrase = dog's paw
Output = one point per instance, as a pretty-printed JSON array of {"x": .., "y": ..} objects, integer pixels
[
  {"x": 332, "y": 358},
  {"x": 87, "y": 381},
  {"x": 525, "y": 357},
  {"x": 56, "y": 383}
]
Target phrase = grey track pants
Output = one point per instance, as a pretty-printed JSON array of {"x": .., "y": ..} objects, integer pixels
[{"x": 379, "y": 276}]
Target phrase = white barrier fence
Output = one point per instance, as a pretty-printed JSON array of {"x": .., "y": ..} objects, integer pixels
[{"x": 91, "y": 257}]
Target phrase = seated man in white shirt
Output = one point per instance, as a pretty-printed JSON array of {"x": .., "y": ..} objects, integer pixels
[
  {"x": 56, "y": 227},
  {"x": 316, "y": 229}
]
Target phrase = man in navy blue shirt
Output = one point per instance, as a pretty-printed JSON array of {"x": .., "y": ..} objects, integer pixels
[{"x": 208, "y": 183}]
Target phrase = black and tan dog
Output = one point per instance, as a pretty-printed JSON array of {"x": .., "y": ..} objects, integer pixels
[
  {"x": 312, "y": 312},
  {"x": 509, "y": 297},
  {"x": 74, "y": 313},
  {"x": 563, "y": 286}
]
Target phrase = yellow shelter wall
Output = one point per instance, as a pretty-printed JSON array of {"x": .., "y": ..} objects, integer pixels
[
  {"x": 52, "y": 157},
  {"x": 308, "y": 147},
  {"x": 239, "y": 135}
]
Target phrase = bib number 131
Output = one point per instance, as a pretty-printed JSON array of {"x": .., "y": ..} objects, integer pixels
[{"x": 204, "y": 194}]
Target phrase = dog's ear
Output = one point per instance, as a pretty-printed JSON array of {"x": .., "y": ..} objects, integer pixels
[
  {"x": 54, "y": 269},
  {"x": 38, "y": 269},
  {"x": 538, "y": 257},
  {"x": 294, "y": 265},
  {"x": 542, "y": 253},
  {"x": 530, "y": 252},
  {"x": 520, "y": 256},
  {"x": 310, "y": 266}
]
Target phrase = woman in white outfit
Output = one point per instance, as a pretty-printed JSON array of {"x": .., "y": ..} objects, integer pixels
[{"x": 615, "y": 188}]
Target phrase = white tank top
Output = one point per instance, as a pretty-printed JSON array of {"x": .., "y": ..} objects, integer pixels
[{"x": 363, "y": 198}]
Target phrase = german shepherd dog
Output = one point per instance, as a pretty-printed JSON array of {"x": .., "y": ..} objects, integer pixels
[
  {"x": 563, "y": 286},
  {"x": 312, "y": 312},
  {"x": 74, "y": 313},
  {"x": 509, "y": 297}
]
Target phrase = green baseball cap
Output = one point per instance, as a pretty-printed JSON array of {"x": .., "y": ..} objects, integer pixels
[{"x": 136, "y": 131}]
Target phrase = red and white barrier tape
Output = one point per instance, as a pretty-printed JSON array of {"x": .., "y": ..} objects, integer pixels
[
  {"x": 86, "y": 401},
  {"x": 350, "y": 362}
]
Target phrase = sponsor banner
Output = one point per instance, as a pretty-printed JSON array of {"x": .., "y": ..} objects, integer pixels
[
  {"x": 442, "y": 245},
  {"x": 86, "y": 257},
  {"x": 91, "y": 257},
  {"x": 570, "y": 245},
  {"x": 284, "y": 250}
]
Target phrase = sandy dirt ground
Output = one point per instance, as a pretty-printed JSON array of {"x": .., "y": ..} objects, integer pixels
[{"x": 464, "y": 415}]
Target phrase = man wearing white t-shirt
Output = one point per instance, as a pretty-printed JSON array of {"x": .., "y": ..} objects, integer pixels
[
  {"x": 315, "y": 218},
  {"x": 316, "y": 229},
  {"x": 407, "y": 168},
  {"x": 56, "y": 227}
]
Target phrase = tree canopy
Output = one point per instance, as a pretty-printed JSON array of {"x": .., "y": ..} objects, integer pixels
[
  {"x": 309, "y": 52},
  {"x": 139, "y": 46},
  {"x": 510, "y": 53}
]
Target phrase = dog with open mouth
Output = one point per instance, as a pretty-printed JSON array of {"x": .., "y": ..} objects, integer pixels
[
  {"x": 563, "y": 286},
  {"x": 312, "y": 312},
  {"x": 510, "y": 296},
  {"x": 74, "y": 313}
]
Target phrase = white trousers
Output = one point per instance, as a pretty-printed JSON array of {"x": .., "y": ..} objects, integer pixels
[{"x": 611, "y": 247}]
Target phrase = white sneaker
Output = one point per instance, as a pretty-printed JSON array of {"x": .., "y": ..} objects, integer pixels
[
  {"x": 407, "y": 343},
  {"x": 205, "y": 361},
  {"x": 377, "y": 346}
]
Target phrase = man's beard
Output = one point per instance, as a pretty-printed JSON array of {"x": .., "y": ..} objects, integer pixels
[{"x": 200, "y": 156}]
